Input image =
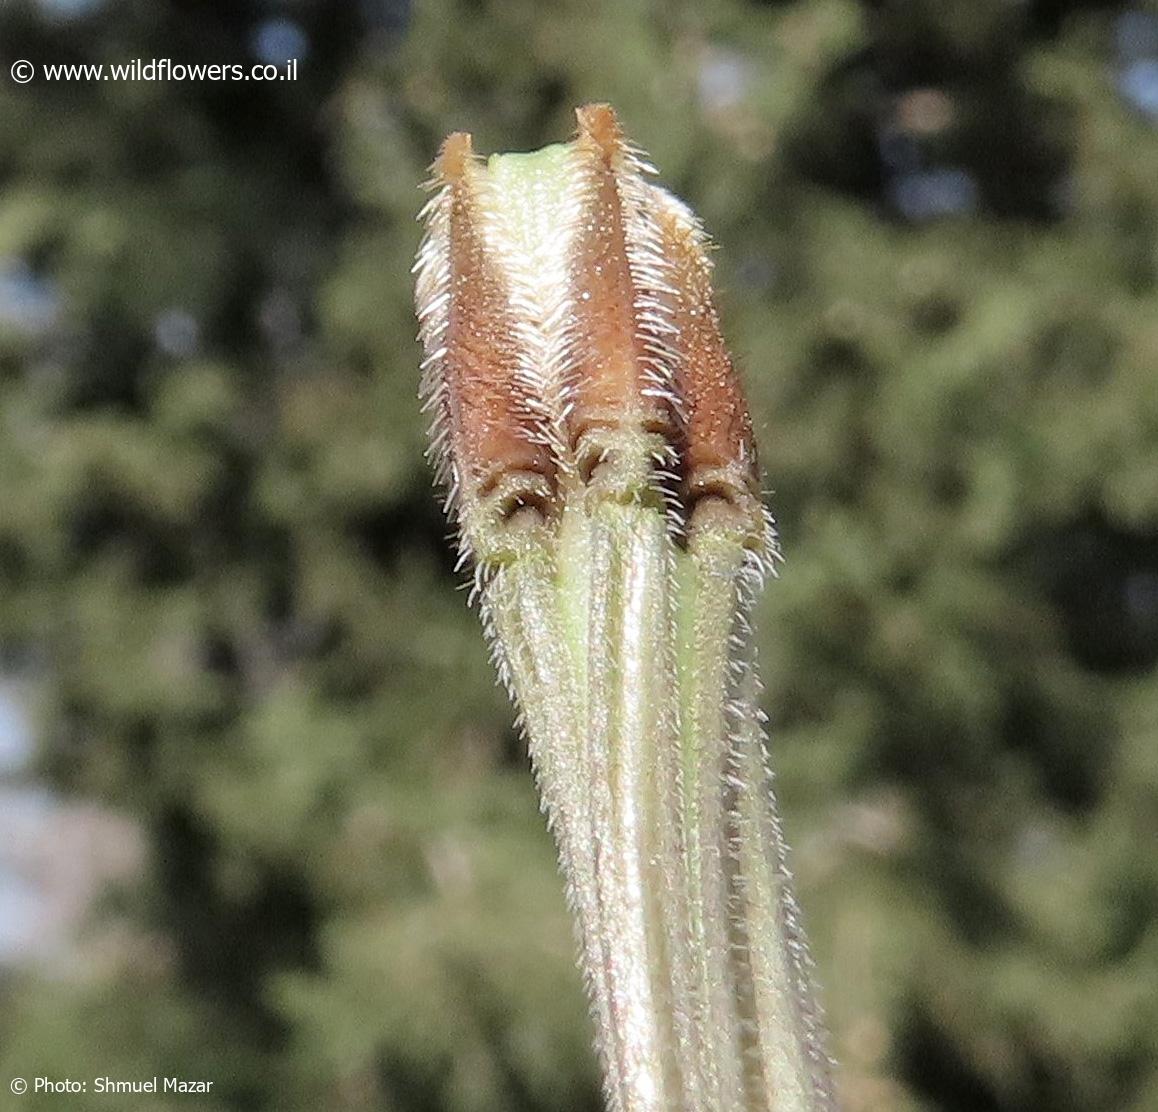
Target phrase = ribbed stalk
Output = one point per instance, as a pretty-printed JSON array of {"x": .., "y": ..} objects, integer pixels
[
  {"x": 788, "y": 1060},
  {"x": 618, "y": 591},
  {"x": 706, "y": 613},
  {"x": 764, "y": 1050},
  {"x": 633, "y": 670}
]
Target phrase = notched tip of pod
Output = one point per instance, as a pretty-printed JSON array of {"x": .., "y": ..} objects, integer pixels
[
  {"x": 599, "y": 127},
  {"x": 454, "y": 156},
  {"x": 511, "y": 517},
  {"x": 726, "y": 500}
]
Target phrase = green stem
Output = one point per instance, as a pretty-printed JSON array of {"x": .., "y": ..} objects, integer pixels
[
  {"x": 794, "y": 1070},
  {"x": 706, "y": 609},
  {"x": 630, "y": 729},
  {"x": 766, "y": 1048},
  {"x": 633, "y": 671}
]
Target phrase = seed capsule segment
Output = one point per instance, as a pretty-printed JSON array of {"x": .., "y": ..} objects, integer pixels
[
  {"x": 489, "y": 432},
  {"x": 719, "y": 471},
  {"x": 621, "y": 405}
]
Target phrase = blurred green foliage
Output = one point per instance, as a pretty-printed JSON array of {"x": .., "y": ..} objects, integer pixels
[{"x": 222, "y": 562}]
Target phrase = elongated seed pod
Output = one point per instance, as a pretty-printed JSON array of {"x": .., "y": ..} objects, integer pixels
[
  {"x": 597, "y": 450},
  {"x": 490, "y": 430},
  {"x": 718, "y": 449},
  {"x": 620, "y": 388}
]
